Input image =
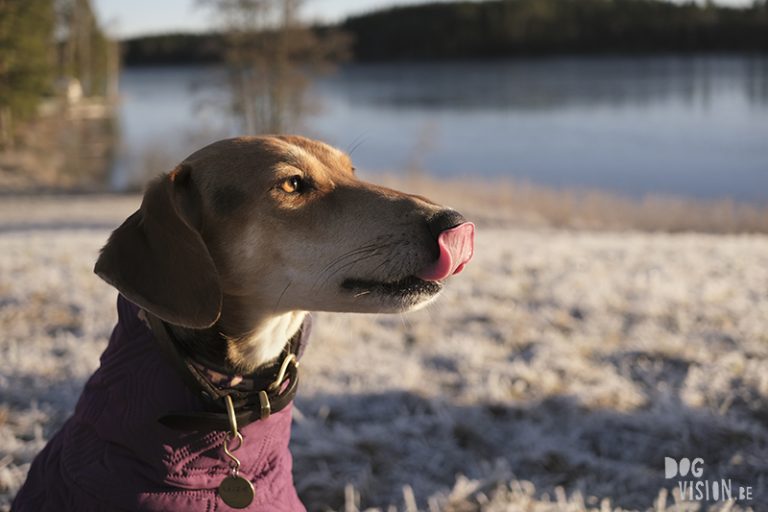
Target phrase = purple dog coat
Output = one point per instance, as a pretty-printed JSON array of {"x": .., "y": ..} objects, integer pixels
[{"x": 112, "y": 454}]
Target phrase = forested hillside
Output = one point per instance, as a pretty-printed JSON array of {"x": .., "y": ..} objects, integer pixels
[{"x": 504, "y": 28}]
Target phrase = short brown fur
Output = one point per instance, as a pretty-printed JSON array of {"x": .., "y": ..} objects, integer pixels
[{"x": 222, "y": 251}]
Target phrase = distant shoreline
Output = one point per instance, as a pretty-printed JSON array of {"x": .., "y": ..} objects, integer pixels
[
  {"x": 488, "y": 202},
  {"x": 497, "y": 29},
  {"x": 159, "y": 63}
]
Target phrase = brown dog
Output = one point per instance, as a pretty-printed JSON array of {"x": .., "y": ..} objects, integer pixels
[
  {"x": 271, "y": 228},
  {"x": 224, "y": 258}
]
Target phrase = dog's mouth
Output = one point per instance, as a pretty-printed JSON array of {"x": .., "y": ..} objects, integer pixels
[
  {"x": 455, "y": 248},
  {"x": 410, "y": 287}
]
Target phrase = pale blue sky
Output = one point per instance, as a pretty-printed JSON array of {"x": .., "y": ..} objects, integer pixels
[{"x": 134, "y": 17}]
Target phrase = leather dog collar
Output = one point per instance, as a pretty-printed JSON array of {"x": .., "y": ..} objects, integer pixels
[{"x": 268, "y": 390}]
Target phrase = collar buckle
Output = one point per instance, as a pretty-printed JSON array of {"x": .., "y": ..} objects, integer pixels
[{"x": 266, "y": 407}]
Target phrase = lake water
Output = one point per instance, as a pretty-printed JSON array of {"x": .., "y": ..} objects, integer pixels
[{"x": 693, "y": 126}]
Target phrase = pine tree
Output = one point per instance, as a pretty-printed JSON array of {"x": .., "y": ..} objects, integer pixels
[
  {"x": 84, "y": 46},
  {"x": 26, "y": 60}
]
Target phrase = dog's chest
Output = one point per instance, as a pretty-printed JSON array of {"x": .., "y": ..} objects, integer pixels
[{"x": 114, "y": 449}]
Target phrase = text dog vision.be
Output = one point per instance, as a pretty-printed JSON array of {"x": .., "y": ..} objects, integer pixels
[{"x": 702, "y": 490}]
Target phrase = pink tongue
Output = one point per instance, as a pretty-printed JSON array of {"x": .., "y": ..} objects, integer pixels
[{"x": 456, "y": 249}]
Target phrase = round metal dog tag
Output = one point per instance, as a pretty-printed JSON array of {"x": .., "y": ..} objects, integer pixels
[{"x": 236, "y": 491}]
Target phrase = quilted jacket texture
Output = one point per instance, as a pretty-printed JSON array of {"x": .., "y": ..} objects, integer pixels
[{"x": 112, "y": 454}]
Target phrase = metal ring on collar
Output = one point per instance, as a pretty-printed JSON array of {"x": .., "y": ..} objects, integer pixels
[{"x": 290, "y": 358}]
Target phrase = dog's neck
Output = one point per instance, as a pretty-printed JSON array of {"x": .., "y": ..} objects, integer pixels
[
  {"x": 241, "y": 342},
  {"x": 265, "y": 342}
]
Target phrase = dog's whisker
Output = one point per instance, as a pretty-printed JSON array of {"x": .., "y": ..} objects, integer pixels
[
  {"x": 363, "y": 255},
  {"x": 366, "y": 246},
  {"x": 338, "y": 265},
  {"x": 347, "y": 265},
  {"x": 431, "y": 310},
  {"x": 280, "y": 298},
  {"x": 350, "y": 254},
  {"x": 376, "y": 269},
  {"x": 329, "y": 269},
  {"x": 356, "y": 143}
]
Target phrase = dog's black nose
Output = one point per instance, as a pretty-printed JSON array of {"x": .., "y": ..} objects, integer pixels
[{"x": 444, "y": 219}]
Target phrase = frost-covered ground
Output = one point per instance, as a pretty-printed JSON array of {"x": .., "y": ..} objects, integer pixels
[{"x": 556, "y": 373}]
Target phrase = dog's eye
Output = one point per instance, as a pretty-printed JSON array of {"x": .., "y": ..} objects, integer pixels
[{"x": 292, "y": 185}]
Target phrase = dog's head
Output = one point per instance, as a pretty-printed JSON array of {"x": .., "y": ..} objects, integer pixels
[{"x": 279, "y": 224}]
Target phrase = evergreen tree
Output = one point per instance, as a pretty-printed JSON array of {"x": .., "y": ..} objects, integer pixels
[
  {"x": 84, "y": 46},
  {"x": 26, "y": 60}
]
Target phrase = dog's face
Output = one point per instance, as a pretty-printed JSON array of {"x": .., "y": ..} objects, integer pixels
[
  {"x": 277, "y": 224},
  {"x": 300, "y": 231}
]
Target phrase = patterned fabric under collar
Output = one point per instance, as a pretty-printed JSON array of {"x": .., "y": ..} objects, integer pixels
[{"x": 112, "y": 454}]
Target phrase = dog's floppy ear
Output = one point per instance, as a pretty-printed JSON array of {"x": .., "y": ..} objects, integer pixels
[{"x": 158, "y": 259}]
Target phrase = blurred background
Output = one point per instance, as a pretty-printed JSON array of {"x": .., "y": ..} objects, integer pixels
[
  {"x": 613, "y": 154},
  {"x": 632, "y": 98}
]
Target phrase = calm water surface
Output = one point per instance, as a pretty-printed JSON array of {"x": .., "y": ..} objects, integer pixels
[{"x": 695, "y": 126}]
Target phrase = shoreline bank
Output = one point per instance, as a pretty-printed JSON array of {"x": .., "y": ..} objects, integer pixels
[{"x": 499, "y": 203}]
